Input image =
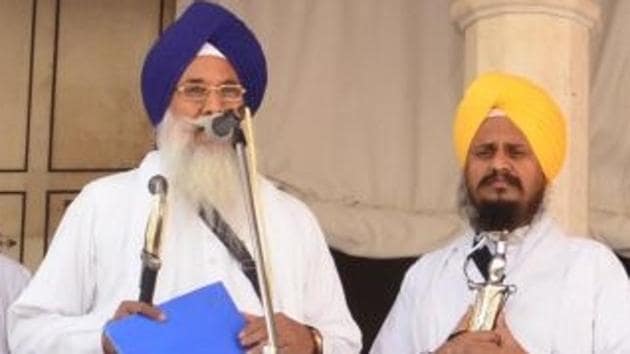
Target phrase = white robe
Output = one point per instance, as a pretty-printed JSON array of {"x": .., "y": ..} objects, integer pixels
[
  {"x": 13, "y": 279},
  {"x": 94, "y": 263},
  {"x": 573, "y": 296}
]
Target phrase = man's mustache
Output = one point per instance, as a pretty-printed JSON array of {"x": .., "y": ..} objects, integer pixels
[
  {"x": 495, "y": 175},
  {"x": 202, "y": 122}
]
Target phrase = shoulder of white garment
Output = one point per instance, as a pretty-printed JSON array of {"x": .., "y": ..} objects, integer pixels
[
  {"x": 9, "y": 264},
  {"x": 271, "y": 190},
  {"x": 286, "y": 202},
  {"x": 418, "y": 275},
  {"x": 109, "y": 184},
  {"x": 589, "y": 250},
  {"x": 13, "y": 277},
  {"x": 118, "y": 185}
]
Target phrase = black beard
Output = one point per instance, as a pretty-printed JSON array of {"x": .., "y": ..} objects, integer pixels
[{"x": 499, "y": 215}]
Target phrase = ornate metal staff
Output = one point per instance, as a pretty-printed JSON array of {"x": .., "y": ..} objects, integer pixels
[{"x": 491, "y": 294}]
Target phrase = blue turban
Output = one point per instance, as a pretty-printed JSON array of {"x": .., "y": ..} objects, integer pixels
[{"x": 172, "y": 53}]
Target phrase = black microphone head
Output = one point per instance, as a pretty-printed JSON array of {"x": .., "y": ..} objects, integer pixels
[
  {"x": 158, "y": 185},
  {"x": 222, "y": 126}
]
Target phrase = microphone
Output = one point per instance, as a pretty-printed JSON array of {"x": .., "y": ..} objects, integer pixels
[
  {"x": 225, "y": 124},
  {"x": 158, "y": 187}
]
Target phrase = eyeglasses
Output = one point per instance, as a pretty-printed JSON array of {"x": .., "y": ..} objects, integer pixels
[{"x": 199, "y": 92}]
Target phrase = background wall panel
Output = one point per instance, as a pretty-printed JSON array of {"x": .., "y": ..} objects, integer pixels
[
  {"x": 70, "y": 106},
  {"x": 12, "y": 215},
  {"x": 15, "y": 58},
  {"x": 98, "y": 121}
]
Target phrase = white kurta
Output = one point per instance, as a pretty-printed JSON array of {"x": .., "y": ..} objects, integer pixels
[
  {"x": 573, "y": 296},
  {"x": 94, "y": 263},
  {"x": 13, "y": 279}
]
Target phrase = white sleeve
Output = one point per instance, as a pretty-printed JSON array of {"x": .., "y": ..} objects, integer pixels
[
  {"x": 52, "y": 315},
  {"x": 326, "y": 308},
  {"x": 612, "y": 306},
  {"x": 13, "y": 279},
  {"x": 396, "y": 333}
]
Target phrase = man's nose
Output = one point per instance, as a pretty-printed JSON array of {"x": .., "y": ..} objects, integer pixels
[
  {"x": 501, "y": 162},
  {"x": 212, "y": 104}
]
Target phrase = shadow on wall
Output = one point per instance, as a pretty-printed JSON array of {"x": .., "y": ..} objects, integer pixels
[{"x": 371, "y": 286}]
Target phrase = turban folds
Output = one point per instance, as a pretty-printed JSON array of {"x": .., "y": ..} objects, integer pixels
[
  {"x": 172, "y": 53},
  {"x": 528, "y": 106}
]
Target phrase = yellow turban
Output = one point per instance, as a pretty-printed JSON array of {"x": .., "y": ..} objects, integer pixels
[{"x": 528, "y": 106}]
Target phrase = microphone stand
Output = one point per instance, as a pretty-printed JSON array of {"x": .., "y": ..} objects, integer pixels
[{"x": 244, "y": 144}]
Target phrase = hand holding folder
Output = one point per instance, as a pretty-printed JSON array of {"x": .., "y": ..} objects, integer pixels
[{"x": 202, "y": 321}]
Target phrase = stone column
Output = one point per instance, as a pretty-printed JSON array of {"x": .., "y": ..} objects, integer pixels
[{"x": 547, "y": 41}]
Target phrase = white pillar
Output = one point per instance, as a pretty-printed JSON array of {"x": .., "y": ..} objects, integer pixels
[{"x": 547, "y": 41}]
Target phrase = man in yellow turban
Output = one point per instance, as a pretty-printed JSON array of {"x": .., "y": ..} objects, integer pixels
[
  {"x": 510, "y": 137},
  {"x": 572, "y": 294}
]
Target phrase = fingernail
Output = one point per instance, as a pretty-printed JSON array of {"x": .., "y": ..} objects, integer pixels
[{"x": 162, "y": 317}]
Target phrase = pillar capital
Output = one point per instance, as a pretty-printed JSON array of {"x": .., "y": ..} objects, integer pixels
[{"x": 466, "y": 12}]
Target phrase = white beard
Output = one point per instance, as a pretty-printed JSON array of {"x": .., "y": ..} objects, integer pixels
[{"x": 203, "y": 171}]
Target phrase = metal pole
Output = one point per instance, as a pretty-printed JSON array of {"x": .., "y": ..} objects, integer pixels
[{"x": 247, "y": 166}]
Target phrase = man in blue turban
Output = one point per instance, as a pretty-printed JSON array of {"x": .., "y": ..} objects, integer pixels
[{"x": 205, "y": 64}]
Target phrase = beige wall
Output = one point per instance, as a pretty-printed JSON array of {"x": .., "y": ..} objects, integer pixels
[
  {"x": 71, "y": 108},
  {"x": 356, "y": 120}
]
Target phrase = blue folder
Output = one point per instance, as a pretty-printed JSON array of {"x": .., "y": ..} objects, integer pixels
[{"x": 202, "y": 321}]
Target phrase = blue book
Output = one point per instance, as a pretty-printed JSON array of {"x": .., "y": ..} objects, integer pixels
[{"x": 202, "y": 321}]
